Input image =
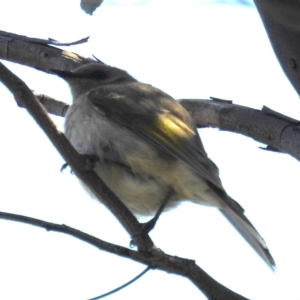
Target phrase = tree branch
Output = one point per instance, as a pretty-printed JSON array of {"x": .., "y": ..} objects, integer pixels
[
  {"x": 36, "y": 53},
  {"x": 49, "y": 41},
  {"x": 156, "y": 259},
  {"x": 267, "y": 126}
]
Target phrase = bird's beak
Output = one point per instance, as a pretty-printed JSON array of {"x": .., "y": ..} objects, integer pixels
[{"x": 64, "y": 74}]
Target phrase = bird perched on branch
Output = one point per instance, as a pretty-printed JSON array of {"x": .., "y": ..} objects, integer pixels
[{"x": 150, "y": 153}]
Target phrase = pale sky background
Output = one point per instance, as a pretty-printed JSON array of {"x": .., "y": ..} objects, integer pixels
[{"x": 189, "y": 49}]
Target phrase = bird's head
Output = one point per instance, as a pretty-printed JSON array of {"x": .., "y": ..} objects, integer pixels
[{"x": 90, "y": 76}]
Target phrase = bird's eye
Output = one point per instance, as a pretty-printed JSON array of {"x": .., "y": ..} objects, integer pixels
[{"x": 98, "y": 75}]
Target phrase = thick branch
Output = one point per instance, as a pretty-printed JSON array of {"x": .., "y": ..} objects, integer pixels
[
  {"x": 36, "y": 53},
  {"x": 265, "y": 126},
  {"x": 49, "y": 41}
]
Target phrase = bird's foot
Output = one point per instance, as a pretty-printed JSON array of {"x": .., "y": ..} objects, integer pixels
[{"x": 89, "y": 162}]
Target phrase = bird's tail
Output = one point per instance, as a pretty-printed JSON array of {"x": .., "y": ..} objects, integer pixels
[{"x": 235, "y": 215}]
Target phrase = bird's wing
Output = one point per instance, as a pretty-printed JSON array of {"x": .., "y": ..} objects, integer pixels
[{"x": 160, "y": 125}]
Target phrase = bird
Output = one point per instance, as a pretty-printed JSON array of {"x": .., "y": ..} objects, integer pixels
[{"x": 149, "y": 150}]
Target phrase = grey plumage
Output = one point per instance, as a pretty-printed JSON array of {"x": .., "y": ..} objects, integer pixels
[{"x": 148, "y": 145}]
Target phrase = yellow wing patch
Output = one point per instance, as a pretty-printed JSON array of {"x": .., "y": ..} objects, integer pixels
[{"x": 172, "y": 126}]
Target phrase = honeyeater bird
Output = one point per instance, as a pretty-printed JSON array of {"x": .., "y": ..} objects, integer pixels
[{"x": 148, "y": 146}]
